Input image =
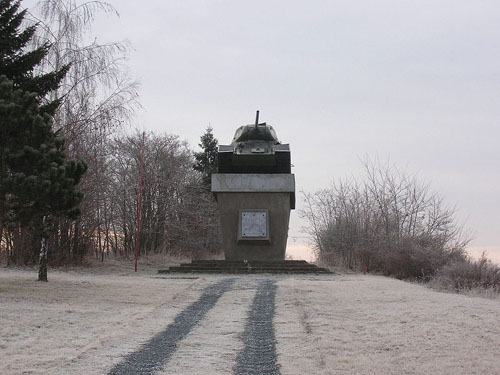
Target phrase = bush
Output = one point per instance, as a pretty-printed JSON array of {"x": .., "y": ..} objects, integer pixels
[
  {"x": 468, "y": 274},
  {"x": 387, "y": 222}
]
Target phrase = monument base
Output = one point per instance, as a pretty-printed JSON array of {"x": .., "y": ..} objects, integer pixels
[
  {"x": 254, "y": 213},
  {"x": 233, "y": 207}
]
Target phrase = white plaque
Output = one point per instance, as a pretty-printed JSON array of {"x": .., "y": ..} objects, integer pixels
[{"x": 254, "y": 224}]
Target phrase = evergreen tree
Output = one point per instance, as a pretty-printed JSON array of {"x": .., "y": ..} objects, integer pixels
[
  {"x": 36, "y": 181},
  {"x": 206, "y": 160},
  {"x": 18, "y": 64}
]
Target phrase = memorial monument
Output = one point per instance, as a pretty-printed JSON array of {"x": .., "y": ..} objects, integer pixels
[{"x": 255, "y": 191}]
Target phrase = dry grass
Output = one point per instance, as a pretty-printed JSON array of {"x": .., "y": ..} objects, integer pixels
[
  {"x": 115, "y": 265},
  {"x": 146, "y": 264}
]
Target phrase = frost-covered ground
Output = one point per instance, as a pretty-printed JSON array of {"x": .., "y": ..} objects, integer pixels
[{"x": 85, "y": 322}]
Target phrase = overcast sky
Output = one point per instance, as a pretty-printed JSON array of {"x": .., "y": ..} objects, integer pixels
[{"x": 413, "y": 82}]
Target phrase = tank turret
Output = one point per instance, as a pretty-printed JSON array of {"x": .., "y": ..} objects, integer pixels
[{"x": 255, "y": 149}]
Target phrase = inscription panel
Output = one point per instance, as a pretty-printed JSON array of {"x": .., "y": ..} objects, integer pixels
[{"x": 254, "y": 224}]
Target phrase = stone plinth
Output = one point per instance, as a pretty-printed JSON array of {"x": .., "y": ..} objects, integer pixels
[{"x": 254, "y": 214}]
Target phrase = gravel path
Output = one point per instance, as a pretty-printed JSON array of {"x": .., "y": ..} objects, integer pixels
[
  {"x": 259, "y": 355},
  {"x": 153, "y": 355}
]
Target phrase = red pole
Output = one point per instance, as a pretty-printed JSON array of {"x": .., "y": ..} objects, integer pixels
[{"x": 139, "y": 204}]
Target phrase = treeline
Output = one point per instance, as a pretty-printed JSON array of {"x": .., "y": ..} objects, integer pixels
[
  {"x": 178, "y": 213},
  {"x": 389, "y": 222},
  {"x": 65, "y": 104}
]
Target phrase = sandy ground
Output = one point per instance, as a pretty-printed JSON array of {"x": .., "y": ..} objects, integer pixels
[{"x": 84, "y": 322}]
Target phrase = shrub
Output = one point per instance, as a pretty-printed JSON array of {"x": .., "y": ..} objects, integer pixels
[
  {"x": 469, "y": 274},
  {"x": 387, "y": 222}
]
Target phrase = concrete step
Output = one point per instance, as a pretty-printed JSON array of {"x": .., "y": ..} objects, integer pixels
[
  {"x": 226, "y": 261},
  {"x": 249, "y": 263},
  {"x": 247, "y": 267},
  {"x": 248, "y": 270}
]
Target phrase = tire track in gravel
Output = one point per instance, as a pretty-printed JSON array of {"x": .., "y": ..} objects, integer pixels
[
  {"x": 259, "y": 354},
  {"x": 153, "y": 356},
  {"x": 213, "y": 345}
]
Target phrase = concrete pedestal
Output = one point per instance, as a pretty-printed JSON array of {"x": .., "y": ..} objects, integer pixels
[{"x": 254, "y": 214}]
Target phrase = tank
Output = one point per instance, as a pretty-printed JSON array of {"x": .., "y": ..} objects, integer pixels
[{"x": 255, "y": 149}]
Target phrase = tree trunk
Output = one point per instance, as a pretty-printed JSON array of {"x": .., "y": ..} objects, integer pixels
[
  {"x": 42, "y": 270},
  {"x": 44, "y": 249},
  {"x": 1, "y": 223},
  {"x": 76, "y": 246}
]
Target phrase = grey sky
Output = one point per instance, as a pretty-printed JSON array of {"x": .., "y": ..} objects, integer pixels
[{"x": 416, "y": 82}]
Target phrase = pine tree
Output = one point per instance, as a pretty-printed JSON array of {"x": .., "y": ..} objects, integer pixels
[
  {"x": 18, "y": 64},
  {"x": 206, "y": 160},
  {"x": 37, "y": 183}
]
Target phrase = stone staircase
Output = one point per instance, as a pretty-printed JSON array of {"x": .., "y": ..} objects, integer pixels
[{"x": 247, "y": 267}]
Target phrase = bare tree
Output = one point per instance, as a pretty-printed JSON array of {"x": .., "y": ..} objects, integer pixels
[
  {"x": 391, "y": 222},
  {"x": 178, "y": 214},
  {"x": 98, "y": 97},
  {"x": 98, "y": 93}
]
